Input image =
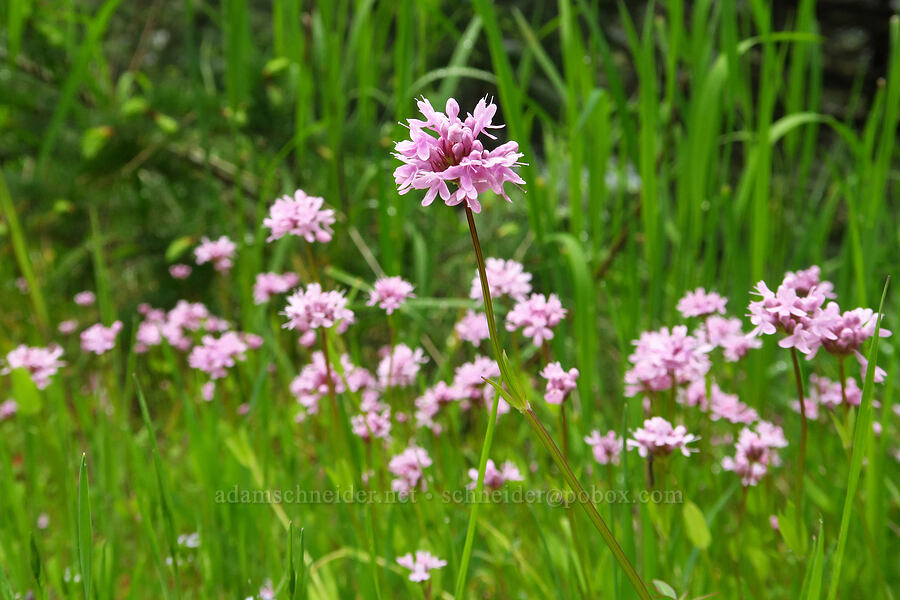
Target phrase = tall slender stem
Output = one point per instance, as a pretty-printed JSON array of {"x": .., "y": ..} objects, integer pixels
[{"x": 801, "y": 462}]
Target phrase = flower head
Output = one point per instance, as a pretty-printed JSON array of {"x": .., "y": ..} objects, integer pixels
[
  {"x": 99, "y": 339},
  {"x": 536, "y": 317},
  {"x": 68, "y": 326},
  {"x": 300, "y": 215},
  {"x": 505, "y": 278},
  {"x": 180, "y": 271},
  {"x": 389, "y": 293},
  {"x": 700, "y": 303},
  {"x": 372, "y": 424},
  {"x": 494, "y": 478},
  {"x": 444, "y": 149},
  {"x": 270, "y": 284},
  {"x": 663, "y": 359},
  {"x": 606, "y": 448},
  {"x": 753, "y": 455},
  {"x": 400, "y": 367},
  {"x": 725, "y": 333},
  {"x": 313, "y": 381},
  {"x": 420, "y": 565},
  {"x": 85, "y": 298},
  {"x": 407, "y": 468},
  {"x": 828, "y": 393},
  {"x": 219, "y": 252},
  {"x": 215, "y": 355},
  {"x": 659, "y": 438},
  {"x": 41, "y": 363},
  {"x": 473, "y": 327},
  {"x": 311, "y": 308},
  {"x": 559, "y": 382},
  {"x": 468, "y": 380}
]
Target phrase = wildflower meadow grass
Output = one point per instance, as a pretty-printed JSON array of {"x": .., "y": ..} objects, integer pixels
[{"x": 432, "y": 300}]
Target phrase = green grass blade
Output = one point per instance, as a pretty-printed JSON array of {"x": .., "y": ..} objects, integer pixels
[{"x": 84, "y": 541}]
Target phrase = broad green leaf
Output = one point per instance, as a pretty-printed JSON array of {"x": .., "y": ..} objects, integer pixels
[{"x": 695, "y": 526}]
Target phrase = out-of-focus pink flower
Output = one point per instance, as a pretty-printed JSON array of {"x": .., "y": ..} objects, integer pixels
[
  {"x": 468, "y": 380},
  {"x": 606, "y": 448},
  {"x": 429, "y": 403},
  {"x": 389, "y": 293},
  {"x": 180, "y": 271},
  {"x": 215, "y": 355},
  {"x": 43, "y": 521},
  {"x": 665, "y": 358},
  {"x": 302, "y": 216},
  {"x": 270, "y": 284},
  {"x": 455, "y": 156},
  {"x": 312, "y": 383},
  {"x": 659, "y": 438},
  {"x": 536, "y": 317},
  {"x": 8, "y": 409},
  {"x": 68, "y": 327},
  {"x": 828, "y": 393},
  {"x": 399, "y": 369},
  {"x": 729, "y": 407},
  {"x": 219, "y": 252},
  {"x": 494, "y": 478},
  {"x": 725, "y": 333},
  {"x": 41, "y": 363},
  {"x": 22, "y": 285},
  {"x": 372, "y": 424},
  {"x": 99, "y": 339},
  {"x": 559, "y": 382},
  {"x": 810, "y": 408},
  {"x": 311, "y": 308},
  {"x": 505, "y": 278},
  {"x": 420, "y": 565},
  {"x": 753, "y": 455},
  {"x": 700, "y": 303},
  {"x": 407, "y": 468},
  {"x": 85, "y": 298},
  {"x": 772, "y": 435},
  {"x": 208, "y": 391},
  {"x": 473, "y": 327}
]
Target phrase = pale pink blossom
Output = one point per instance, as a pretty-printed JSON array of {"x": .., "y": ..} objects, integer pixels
[
  {"x": 429, "y": 404},
  {"x": 100, "y": 339},
  {"x": 271, "y": 284},
  {"x": 536, "y": 317},
  {"x": 41, "y": 363},
  {"x": 300, "y": 215},
  {"x": 473, "y": 327},
  {"x": 828, "y": 393},
  {"x": 725, "y": 333},
  {"x": 214, "y": 355},
  {"x": 420, "y": 565},
  {"x": 663, "y": 359},
  {"x": 389, "y": 293},
  {"x": 180, "y": 271},
  {"x": 208, "y": 391},
  {"x": 312, "y": 308},
  {"x": 810, "y": 408},
  {"x": 559, "y": 382},
  {"x": 68, "y": 327},
  {"x": 754, "y": 454},
  {"x": 468, "y": 380},
  {"x": 659, "y": 438},
  {"x": 848, "y": 331},
  {"x": 771, "y": 435},
  {"x": 312, "y": 383},
  {"x": 729, "y": 407},
  {"x": 219, "y": 252},
  {"x": 8, "y": 409},
  {"x": 455, "y": 156},
  {"x": 606, "y": 448},
  {"x": 400, "y": 367},
  {"x": 494, "y": 478},
  {"x": 699, "y": 303},
  {"x": 372, "y": 424},
  {"x": 505, "y": 278},
  {"x": 85, "y": 298},
  {"x": 407, "y": 468}
]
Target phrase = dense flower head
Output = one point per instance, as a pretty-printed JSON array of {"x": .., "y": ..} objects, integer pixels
[
  {"x": 753, "y": 454},
  {"x": 420, "y": 565},
  {"x": 536, "y": 317},
  {"x": 389, "y": 293},
  {"x": 8, "y": 408},
  {"x": 846, "y": 333},
  {"x": 100, "y": 339},
  {"x": 659, "y": 438},
  {"x": 804, "y": 281},
  {"x": 494, "y": 478},
  {"x": 67, "y": 327},
  {"x": 505, "y": 278},
  {"x": 271, "y": 284},
  {"x": 429, "y": 404},
  {"x": 372, "y": 424},
  {"x": 300, "y": 215},
  {"x": 216, "y": 354},
  {"x": 828, "y": 393},
  {"x": 407, "y": 468},
  {"x": 400, "y": 367},
  {"x": 312, "y": 382},
  {"x": 726, "y": 333},
  {"x": 771, "y": 434},
  {"x": 311, "y": 308},
  {"x": 473, "y": 327},
  {"x": 444, "y": 149},
  {"x": 729, "y": 407},
  {"x": 180, "y": 271},
  {"x": 219, "y": 252},
  {"x": 176, "y": 325},
  {"x": 700, "y": 303},
  {"x": 468, "y": 380},
  {"x": 665, "y": 358},
  {"x": 85, "y": 298},
  {"x": 559, "y": 382},
  {"x": 606, "y": 448},
  {"x": 41, "y": 363}
]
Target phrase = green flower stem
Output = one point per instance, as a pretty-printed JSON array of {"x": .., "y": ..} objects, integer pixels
[{"x": 801, "y": 461}]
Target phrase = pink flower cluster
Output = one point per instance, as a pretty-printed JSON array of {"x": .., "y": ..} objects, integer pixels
[
  {"x": 700, "y": 303},
  {"x": 214, "y": 355},
  {"x": 372, "y": 424},
  {"x": 407, "y": 468},
  {"x": 429, "y": 404},
  {"x": 494, "y": 478},
  {"x": 99, "y": 339},
  {"x": 469, "y": 385},
  {"x": 175, "y": 325},
  {"x": 271, "y": 284},
  {"x": 400, "y": 367},
  {"x": 8, "y": 409},
  {"x": 311, "y": 308},
  {"x": 312, "y": 382},
  {"x": 536, "y": 317},
  {"x": 754, "y": 453},
  {"x": 219, "y": 252},
  {"x": 473, "y": 327},
  {"x": 658, "y": 438},
  {"x": 41, "y": 363},
  {"x": 726, "y": 333},
  {"x": 85, "y": 298},
  {"x": 455, "y": 156},
  {"x": 828, "y": 393},
  {"x": 180, "y": 271},
  {"x": 559, "y": 382},
  {"x": 300, "y": 215},
  {"x": 606, "y": 448},
  {"x": 420, "y": 565},
  {"x": 505, "y": 278},
  {"x": 389, "y": 293},
  {"x": 665, "y": 358}
]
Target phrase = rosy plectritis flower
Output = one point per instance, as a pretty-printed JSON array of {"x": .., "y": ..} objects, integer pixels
[
  {"x": 312, "y": 308},
  {"x": 41, "y": 363},
  {"x": 219, "y": 252},
  {"x": 454, "y": 155},
  {"x": 559, "y": 382},
  {"x": 473, "y": 327},
  {"x": 215, "y": 355},
  {"x": 180, "y": 271},
  {"x": 536, "y": 317},
  {"x": 659, "y": 438},
  {"x": 300, "y": 215},
  {"x": 270, "y": 284},
  {"x": 494, "y": 477},
  {"x": 99, "y": 339},
  {"x": 420, "y": 565},
  {"x": 700, "y": 303},
  {"x": 606, "y": 448},
  {"x": 407, "y": 468},
  {"x": 505, "y": 278},
  {"x": 389, "y": 293},
  {"x": 400, "y": 367},
  {"x": 85, "y": 298}
]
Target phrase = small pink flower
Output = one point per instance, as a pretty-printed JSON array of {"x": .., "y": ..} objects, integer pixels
[
  {"x": 41, "y": 363},
  {"x": 663, "y": 359},
  {"x": 99, "y": 339},
  {"x": 407, "y": 468},
  {"x": 729, "y": 407},
  {"x": 429, "y": 403},
  {"x": 85, "y": 298},
  {"x": 300, "y": 215},
  {"x": 8, "y": 409},
  {"x": 311, "y": 308},
  {"x": 721, "y": 332},
  {"x": 43, "y": 521},
  {"x": 754, "y": 453},
  {"x": 219, "y": 252},
  {"x": 420, "y": 565},
  {"x": 659, "y": 438},
  {"x": 606, "y": 448},
  {"x": 473, "y": 328},
  {"x": 389, "y": 293},
  {"x": 811, "y": 409},
  {"x": 468, "y": 380},
  {"x": 559, "y": 382},
  {"x": 372, "y": 424},
  {"x": 312, "y": 383},
  {"x": 214, "y": 355},
  {"x": 536, "y": 317},
  {"x": 208, "y": 391},
  {"x": 828, "y": 393},
  {"x": 700, "y": 303},
  {"x": 270, "y": 284},
  {"x": 494, "y": 478},
  {"x": 180, "y": 271},
  {"x": 505, "y": 278},
  {"x": 399, "y": 369}
]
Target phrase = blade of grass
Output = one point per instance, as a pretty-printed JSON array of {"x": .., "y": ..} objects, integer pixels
[{"x": 83, "y": 543}]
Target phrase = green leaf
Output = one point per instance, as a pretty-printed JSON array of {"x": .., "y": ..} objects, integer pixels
[
  {"x": 695, "y": 526},
  {"x": 94, "y": 139},
  {"x": 167, "y": 124},
  {"x": 178, "y": 247},
  {"x": 795, "y": 539},
  {"x": 665, "y": 589}
]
